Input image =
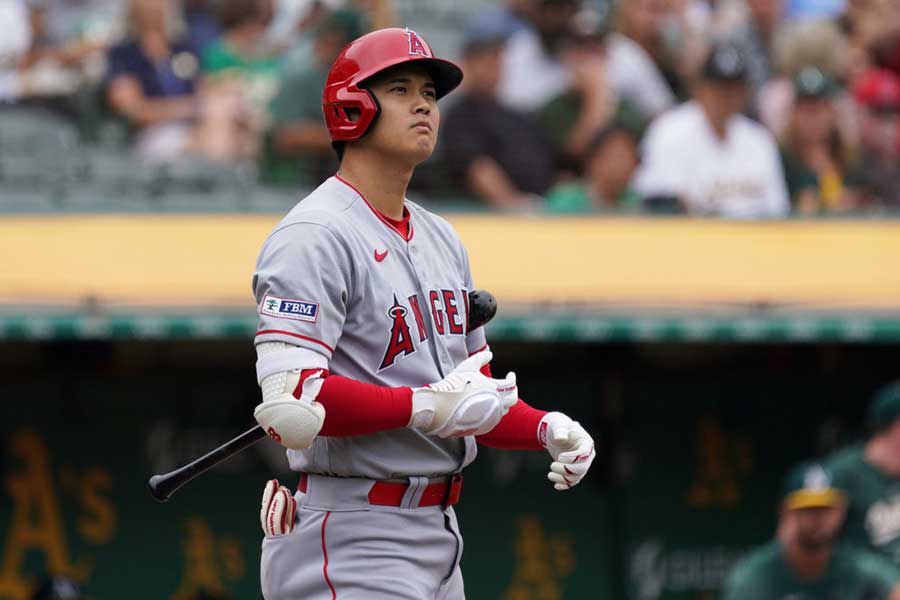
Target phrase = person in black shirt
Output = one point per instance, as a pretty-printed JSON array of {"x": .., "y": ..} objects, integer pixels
[{"x": 496, "y": 154}]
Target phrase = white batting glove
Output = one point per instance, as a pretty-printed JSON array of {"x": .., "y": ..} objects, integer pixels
[
  {"x": 571, "y": 447},
  {"x": 466, "y": 402},
  {"x": 293, "y": 422},
  {"x": 276, "y": 515}
]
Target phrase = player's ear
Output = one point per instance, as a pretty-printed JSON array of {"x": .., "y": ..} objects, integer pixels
[{"x": 353, "y": 114}]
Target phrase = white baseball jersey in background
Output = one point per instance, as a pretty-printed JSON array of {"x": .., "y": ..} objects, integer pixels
[
  {"x": 337, "y": 278},
  {"x": 739, "y": 176}
]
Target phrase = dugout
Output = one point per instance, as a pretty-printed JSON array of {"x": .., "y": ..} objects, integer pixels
[{"x": 706, "y": 357}]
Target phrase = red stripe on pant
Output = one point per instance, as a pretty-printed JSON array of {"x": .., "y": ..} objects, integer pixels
[{"x": 325, "y": 555}]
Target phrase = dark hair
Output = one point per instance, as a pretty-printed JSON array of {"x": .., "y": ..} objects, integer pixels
[
  {"x": 605, "y": 134},
  {"x": 339, "y": 149},
  {"x": 234, "y": 13}
]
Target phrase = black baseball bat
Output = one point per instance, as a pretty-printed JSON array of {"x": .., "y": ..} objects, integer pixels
[{"x": 482, "y": 308}]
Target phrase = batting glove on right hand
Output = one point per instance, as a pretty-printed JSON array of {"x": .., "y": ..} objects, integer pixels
[
  {"x": 571, "y": 447},
  {"x": 276, "y": 515},
  {"x": 466, "y": 402}
]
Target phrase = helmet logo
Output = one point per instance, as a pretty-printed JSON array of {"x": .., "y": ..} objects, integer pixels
[{"x": 416, "y": 45}]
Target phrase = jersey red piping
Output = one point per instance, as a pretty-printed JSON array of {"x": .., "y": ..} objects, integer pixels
[
  {"x": 296, "y": 335},
  {"x": 393, "y": 228},
  {"x": 325, "y": 555},
  {"x": 479, "y": 350}
]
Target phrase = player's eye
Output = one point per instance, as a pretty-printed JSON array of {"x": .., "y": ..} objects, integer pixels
[
  {"x": 430, "y": 94},
  {"x": 399, "y": 88}
]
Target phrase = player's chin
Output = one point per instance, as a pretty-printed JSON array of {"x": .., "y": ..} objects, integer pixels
[{"x": 422, "y": 148}]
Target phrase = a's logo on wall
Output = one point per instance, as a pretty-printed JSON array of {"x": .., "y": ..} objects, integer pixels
[{"x": 416, "y": 45}]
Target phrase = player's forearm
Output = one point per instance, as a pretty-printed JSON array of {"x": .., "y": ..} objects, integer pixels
[
  {"x": 356, "y": 408},
  {"x": 517, "y": 430}
]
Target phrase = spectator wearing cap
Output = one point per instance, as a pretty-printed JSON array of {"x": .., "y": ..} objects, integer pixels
[
  {"x": 531, "y": 72},
  {"x": 870, "y": 475},
  {"x": 495, "y": 153},
  {"x": 819, "y": 166},
  {"x": 807, "y": 560},
  {"x": 878, "y": 94},
  {"x": 755, "y": 38},
  {"x": 609, "y": 165},
  {"x": 706, "y": 157},
  {"x": 641, "y": 70},
  {"x": 297, "y": 146}
]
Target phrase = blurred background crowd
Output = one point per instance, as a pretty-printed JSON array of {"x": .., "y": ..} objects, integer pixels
[{"x": 738, "y": 108}]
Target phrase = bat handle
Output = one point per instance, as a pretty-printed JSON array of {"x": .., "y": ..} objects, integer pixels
[{"x": 163, "y": 486}]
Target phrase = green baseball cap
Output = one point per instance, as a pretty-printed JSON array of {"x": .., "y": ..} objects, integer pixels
[
  {"x": 885, "y": 405},
  {"x": 812, "y": 82},
  {"x": 810, "y": 485}
]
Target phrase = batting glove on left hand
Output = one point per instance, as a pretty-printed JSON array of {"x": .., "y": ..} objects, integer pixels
[
  {"x": 571, "y": 447},
  {"x": 276, "y": 515}
]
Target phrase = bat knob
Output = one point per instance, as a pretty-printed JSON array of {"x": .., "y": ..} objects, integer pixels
[{"x": 157, "y": 489}]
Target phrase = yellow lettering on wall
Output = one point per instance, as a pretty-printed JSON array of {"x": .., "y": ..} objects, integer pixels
[
  {"x": 232, "y": 558},
  {"x": 36, "y": 520},
  {"x": 721, "y": 459},
  {"x": 542, "y": 562},
  {"x": 201, "y": 567},
  {"x": 98, "y": 523}
]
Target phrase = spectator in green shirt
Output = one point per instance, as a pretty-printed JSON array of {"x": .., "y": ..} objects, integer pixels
[
  {"x": 870, "y": 475},
  {"x": 806, "y": 562},
  {"x": 297, "y": 146},
  {"x": 609, "y": 164}
]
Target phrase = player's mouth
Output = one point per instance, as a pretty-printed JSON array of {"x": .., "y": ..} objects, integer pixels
[{"x": 423, "y": 126}]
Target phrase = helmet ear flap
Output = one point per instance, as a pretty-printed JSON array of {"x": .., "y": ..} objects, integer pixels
[{"x": 345, "y": 103}]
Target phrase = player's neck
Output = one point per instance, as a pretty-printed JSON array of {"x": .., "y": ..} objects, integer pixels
[
  {"x": 808, "y": 564},
  {"x": 381, "y": 182}
]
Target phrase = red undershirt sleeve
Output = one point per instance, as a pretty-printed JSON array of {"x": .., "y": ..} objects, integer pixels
[
  {"x": 517, "y": 430},
  {"x": 355, "y": 408}
]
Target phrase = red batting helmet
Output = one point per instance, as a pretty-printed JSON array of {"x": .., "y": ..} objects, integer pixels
[{"x": 368, "y": 56}]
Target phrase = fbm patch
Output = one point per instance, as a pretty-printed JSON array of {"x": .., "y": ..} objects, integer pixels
[{"x": 288, "y": 308}]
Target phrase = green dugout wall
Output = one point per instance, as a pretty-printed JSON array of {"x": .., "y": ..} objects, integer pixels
[{"x": 693, "y": 439}]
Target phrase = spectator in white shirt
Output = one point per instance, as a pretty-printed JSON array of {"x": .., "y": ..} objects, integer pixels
[
  {"x": 531, "y": 71},
  {"x": 706, "y": 157}
]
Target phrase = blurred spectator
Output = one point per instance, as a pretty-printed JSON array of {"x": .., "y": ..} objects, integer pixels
[
  {"x": 639, "y": 65},
  {"x": 507, "y": 19},
  {"x": 531, "y": 71},
  {"x": 610, "y": 162},
  {"x": 200, "y": 21},
  {"x": 818, "y": 164},
  {"x": 494, "y": 152},
  {"x": 870, "y": 475},
  {"x": 298, "y": 146},
  {"x": 819, "y": 44},
  {"x": 239, "y": 54},
  {"x": 14, "y": 43},
  {"x": 242, "y": 74},
  {"x": 572, "y": 120},
  {"x": 878, "y": 94},
  {"x": 806, "y": 560},
  {"x": 706, "y": 157},
  {"x": 755, "y": 39},
  {"x": 58, "y": 588},
  {"x": 152, "y": 78}
]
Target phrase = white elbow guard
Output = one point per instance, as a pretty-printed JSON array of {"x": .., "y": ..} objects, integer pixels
[{"x": 290, "y": 421}]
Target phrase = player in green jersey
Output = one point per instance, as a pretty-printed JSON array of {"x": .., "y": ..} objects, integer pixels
[
  {"x": 805, "y": 562},
  {"x": 870, "y": 476}
]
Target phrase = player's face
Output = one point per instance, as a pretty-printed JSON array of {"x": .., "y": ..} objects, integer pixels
[
  {"x": 408, "y": 124},
  {"x": 816, "y": 527}
]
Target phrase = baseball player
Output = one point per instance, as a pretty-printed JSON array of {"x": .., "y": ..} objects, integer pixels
[
  {"x": 870, "y": 474},
  {"x": 369, "y": 375},
  {"x": 806, "y": 562}
]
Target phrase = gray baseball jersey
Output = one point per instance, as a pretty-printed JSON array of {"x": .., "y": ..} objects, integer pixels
[{"x": 336, "y": 277}]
